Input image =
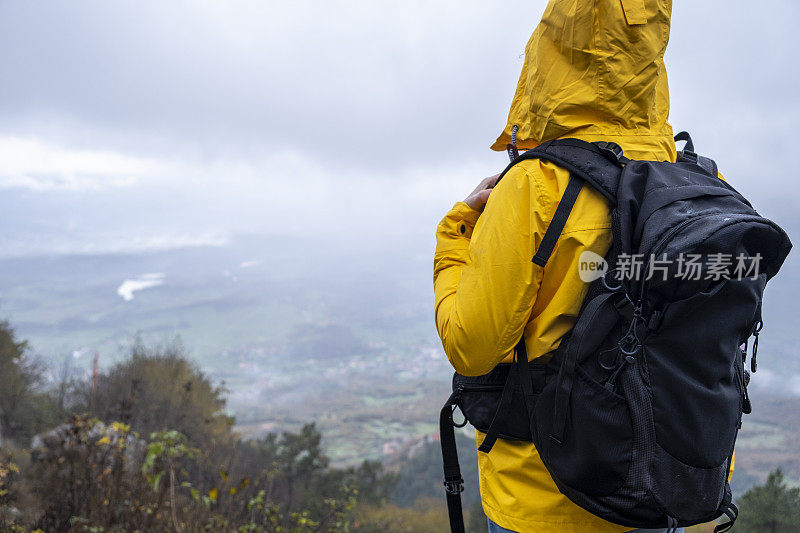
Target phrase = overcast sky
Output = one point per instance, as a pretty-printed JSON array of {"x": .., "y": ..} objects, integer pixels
[{"x": 150, "y": 123}]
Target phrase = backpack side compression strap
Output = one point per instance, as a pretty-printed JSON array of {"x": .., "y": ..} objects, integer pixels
[
  {"x": 493, "y": 433},
  {"x": 453, "y": 482}
]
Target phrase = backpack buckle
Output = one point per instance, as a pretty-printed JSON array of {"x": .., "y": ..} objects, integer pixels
[
  {"x": 687, "y": 156},
  {"x": 613, "y": 152},
  {"x": 629, "y": 344},
  {"x": 454, "y": 487}
]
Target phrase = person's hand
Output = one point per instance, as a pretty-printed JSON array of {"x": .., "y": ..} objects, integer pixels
[{"x": 477, "y": 198}]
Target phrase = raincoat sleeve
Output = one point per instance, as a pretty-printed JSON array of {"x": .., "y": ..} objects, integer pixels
[{"x": 484, "y": 281}]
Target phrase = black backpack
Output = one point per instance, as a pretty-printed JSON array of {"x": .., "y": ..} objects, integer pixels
[{"x": 636, "y": 413}]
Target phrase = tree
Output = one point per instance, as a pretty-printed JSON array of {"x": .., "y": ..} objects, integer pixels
[
  {"x": 24, "y": 408},
  {"x": 420, "y": 473},
  {"x": 294, "y": 475},
  {"x": 151, "y": 448},
  {"x": 426, "y": 514},
  {"x": 157, "y": 388},
  {"x": 770, "y": 508}
]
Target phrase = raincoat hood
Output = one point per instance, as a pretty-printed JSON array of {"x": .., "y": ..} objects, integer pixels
[{"x": 594, "y": 68}]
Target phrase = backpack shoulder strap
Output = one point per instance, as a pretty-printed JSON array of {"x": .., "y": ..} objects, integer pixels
[
  {"x": 557, "y": 223},
  {"x": 599, "y": 164}
]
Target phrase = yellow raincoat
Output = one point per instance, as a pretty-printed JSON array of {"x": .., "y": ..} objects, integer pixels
[{"x": 593, "y": 70}]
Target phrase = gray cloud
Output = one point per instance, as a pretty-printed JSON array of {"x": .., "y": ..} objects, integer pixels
[
  {"x": 352, "y": 83},
  {"x": 337, "y": 116}
]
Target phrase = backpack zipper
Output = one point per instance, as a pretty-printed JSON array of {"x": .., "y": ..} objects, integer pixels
[{"x": 476, "y": 387}]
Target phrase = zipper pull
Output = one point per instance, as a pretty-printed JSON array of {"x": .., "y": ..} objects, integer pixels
[
  {"x": 747, "y": 407},
  {"x": 753, "y": 362}
]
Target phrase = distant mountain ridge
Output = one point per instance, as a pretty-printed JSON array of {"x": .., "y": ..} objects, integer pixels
[{"x": 317, "y": 329}]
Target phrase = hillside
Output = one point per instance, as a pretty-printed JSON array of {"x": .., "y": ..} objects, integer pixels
[{"x": 312, "y": 329}]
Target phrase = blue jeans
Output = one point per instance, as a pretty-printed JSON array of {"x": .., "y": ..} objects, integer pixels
[{"x": 494, "y": 528}]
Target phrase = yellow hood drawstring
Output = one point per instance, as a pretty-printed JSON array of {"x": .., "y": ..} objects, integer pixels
[{"x": 511, "y": 147}]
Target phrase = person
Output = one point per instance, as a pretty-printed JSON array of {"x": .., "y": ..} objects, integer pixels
[{"x": 593, "y": 70}]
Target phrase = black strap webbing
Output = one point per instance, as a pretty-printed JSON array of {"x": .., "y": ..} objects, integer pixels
[
  {"x": 524, "y": 376},
  {"x": 684, "y": 136},
  {"x": 493, "y": 432},
  {"x": 688, "y": 154},
  {"x": 558, "y": 221},
  {"x": 453, "y": 482},
  {"x": 672, "y": 525},
  {"x": 729, "y": 509}
]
